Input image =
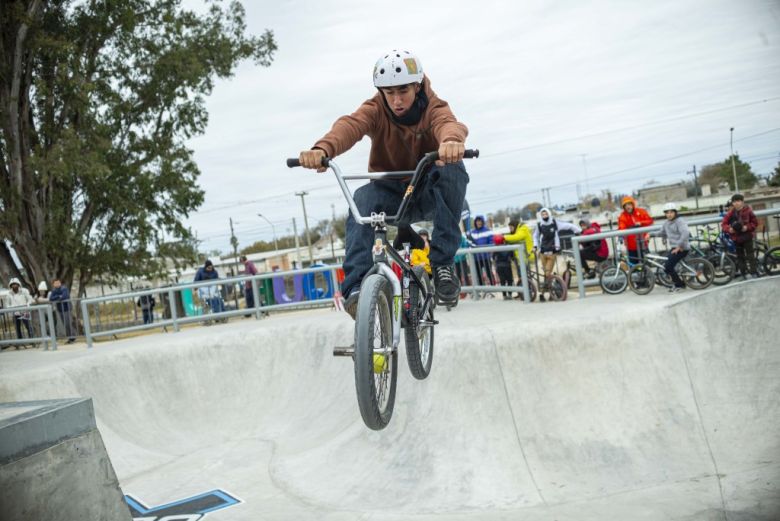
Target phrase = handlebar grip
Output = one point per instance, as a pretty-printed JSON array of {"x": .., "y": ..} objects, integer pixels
[
  {"x": 292, "y": 162},
  {"x": 471, "y": 153}
]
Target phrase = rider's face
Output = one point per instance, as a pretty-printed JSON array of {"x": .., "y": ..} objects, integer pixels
[
  {"x": 400, "y": 98},
  {"x": 738, "y": 204},
  {"x": 629, "y": 207}
]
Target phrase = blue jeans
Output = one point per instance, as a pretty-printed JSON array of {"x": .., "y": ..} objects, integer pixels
[
  {"x": 439, "y": 197},
  {"x": 215, "y": 304},
  {"x": 671, "y": 263}
]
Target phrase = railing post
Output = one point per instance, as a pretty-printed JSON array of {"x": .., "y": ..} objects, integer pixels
[
  {"x": 575, "y": 246},
  {"x": 524, "y": 272},
  {"x": 87, "y": 328},
  {"x": 53, "y": 329},
  {"x": 256, "y": 294},
  {"x": 42, "y": 326},
  {"x": 474, "y": 279},
  {"x": 174, "y": 311}
]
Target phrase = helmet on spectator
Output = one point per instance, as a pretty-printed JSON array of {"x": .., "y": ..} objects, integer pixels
[
  {"x": 397, "y": 68},
  {"x": 671, "y": 207},
  {"x": 498, "y": 239}
]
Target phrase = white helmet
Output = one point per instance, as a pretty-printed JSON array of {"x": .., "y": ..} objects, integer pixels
[
  {"x": 671, "y": 207},
  {"x": 397, "y": 68}
]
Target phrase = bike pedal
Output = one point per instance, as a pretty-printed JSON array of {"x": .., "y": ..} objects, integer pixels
[
  {"x": 344, "y": 351},
  {"x": 428, "y": 322}
]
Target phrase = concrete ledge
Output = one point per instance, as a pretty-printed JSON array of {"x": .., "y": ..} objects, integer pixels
[{"x": 30, "y": 427}]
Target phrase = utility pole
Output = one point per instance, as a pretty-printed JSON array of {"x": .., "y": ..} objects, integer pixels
[
  {"x": 332, "y": 231},
  {"x": 695, "y": 185},
  {"x": 234, "y": 243},
  {"x": 306, "y": 224},
  {"x": 297, "y": 244},
  {"x": 733, "y": 166}
]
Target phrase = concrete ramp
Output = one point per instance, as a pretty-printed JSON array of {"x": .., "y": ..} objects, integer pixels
[{"x": 627, "y": 407}]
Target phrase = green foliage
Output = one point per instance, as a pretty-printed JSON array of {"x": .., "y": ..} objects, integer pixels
[
  {"x": 774, "y": 180},
  {"x": 95, "y": 176},
  {"x": 716, "y": 173}
]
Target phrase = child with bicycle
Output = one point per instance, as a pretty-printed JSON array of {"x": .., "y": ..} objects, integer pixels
[
  {"x": 675, "y": 231},
  {"x": 634, "y": 217},
  {"x": 547, "y": 241},
  {"x": 405, "y": 119},
  {"x": 740, "y": 223}
]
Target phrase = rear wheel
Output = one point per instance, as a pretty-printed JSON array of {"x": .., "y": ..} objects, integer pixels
[
  {"x": 697, "y": 273},
  {"x": 556, "y": 288},
  {"x": 613, "y": 280},
  {"x": 376, "y": 363},
  {"x": 724, "y": 268},
  {"x": 419, "y": 336},
  {"x": 641, "y": 280}
]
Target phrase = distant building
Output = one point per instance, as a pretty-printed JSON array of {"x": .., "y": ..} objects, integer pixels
[{"x": 662, "y": 194}]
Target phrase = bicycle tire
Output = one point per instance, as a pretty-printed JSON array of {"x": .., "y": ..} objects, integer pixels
[
  {"x": 566, "y": 278},
  {"x": 663, "y": 278},
  {"x": 640, "y": 279},
  {"x": 375, "y": 391},
  {"x": 557, "y": 288},
  {"x": 724, "y": 269},
  {"x": 772, "y": 261},
  {"x": 705, "y": 273},
  {"x": 419, "y": 350},
  {"x": 613, "y": 280}
]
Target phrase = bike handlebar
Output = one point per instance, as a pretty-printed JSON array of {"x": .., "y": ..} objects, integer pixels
[{"x": 432, "y": 156}]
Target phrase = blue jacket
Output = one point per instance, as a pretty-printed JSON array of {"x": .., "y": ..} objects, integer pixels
[
  {"x": 482, "y": 237},
  {"x": 61, "y": 296},
  {"x": 202, "y": 274}
]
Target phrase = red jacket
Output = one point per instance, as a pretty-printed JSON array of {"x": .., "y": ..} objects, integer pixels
[
  {"x": 603, "y": 249},
  {"x": 744, "y": 216},
  {"x": 627, "y": 221}
]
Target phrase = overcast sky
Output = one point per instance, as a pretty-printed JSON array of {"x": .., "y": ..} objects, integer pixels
[{"x": 644, "y": 90}]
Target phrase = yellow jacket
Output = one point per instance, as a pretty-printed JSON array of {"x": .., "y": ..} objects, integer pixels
[
  {"x": 522, "y": 233},
  {"x": 420, "y": 258}
]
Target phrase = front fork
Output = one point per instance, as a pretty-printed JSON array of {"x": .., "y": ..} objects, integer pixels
[{"x": 382, "y": 265}]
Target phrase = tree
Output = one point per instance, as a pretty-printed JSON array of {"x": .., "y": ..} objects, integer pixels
[
  {"x": 717, "y": 173},
  {"x": 530, "y": 210},
  {"x": 97, "y": 100},
  {"x": 774, "y": 180}
]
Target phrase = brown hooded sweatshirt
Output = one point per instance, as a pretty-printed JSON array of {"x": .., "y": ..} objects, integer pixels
[{"x": 394, "y": 146}]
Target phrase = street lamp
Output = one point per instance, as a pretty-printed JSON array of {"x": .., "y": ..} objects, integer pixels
[
  {"x": 733, "y": 166},
  {"x": 276, "y": 246}
]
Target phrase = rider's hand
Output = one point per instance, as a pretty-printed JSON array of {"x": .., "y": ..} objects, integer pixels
[
  {"x": 450, "y": 152},
  {"x": 312, "y": 159}
]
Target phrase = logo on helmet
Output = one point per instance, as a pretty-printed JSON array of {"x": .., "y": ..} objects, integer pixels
[{"x": 411, "y": 65}]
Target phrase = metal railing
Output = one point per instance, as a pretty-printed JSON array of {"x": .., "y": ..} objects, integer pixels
[
  {"x": 90, "y": 310},
  {"x": 45, "y": 326},
  {"x": 577, "y": 239},
  {"x": 475, "y": 289}
]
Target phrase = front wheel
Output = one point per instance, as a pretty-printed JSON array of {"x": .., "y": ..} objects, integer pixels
[
  {"x": 376, "y": 362},
  {"x": 725, "y": 269},
  {"x": 641, "y": 280},
  {"x": 419, "y": 328},
  {"x": 697, "y": 273},
  {"x": 556, "y": 288},
  {"x": 613, "y": 280}
]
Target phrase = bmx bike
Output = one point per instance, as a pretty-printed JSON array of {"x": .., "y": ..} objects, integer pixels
[{"x": 388, "y": 304}]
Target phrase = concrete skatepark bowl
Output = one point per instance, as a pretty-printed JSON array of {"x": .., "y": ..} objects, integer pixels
[{"x": 665, "y": 407}]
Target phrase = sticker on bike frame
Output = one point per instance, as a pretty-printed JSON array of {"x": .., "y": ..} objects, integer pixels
[
  {"x": 409, "y": 190},
  {"x": 397, "y": 306}
]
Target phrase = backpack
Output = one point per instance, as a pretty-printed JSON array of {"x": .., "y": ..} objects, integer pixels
[{"x": 547, "y": 234}]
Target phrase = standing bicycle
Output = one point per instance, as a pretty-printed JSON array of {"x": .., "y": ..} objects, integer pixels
[
  {"x": 675, "y": 232},
  {"x": 411, "y": 128}
]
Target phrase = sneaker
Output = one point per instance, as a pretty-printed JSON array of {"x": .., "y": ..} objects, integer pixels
[
  {"x": 677, "y": 289},
  {"x": 447, "y": 285},
  {"x": 351, "y": 303}
]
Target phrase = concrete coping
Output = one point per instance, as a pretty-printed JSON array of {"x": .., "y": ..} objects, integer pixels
[{"x": 30, "y": 427}]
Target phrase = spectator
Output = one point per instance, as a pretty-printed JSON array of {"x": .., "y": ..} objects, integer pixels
[
  {"x": 503, "y": 262},
  {"x": 61, "y": 295},
  {"x": 249, "y": 269},
  {"x": 482, "y": 236},
  {"x": 596, "y": 251},
  {"x": 209, "y": 294},
  {"x": 519, "y": 232},
  {"x": 147, "y": 303},
  {"x": 420, "y": 255},
  {"x": 16, "y": 298},
  {"x": 740, "y": 223},
  {"x": 675, "y": 231},
  {"x": 547, "y": 241},
  {"x": 634, "y": 217},
  {"x": 461, "y": 264},
  {"x": 42, "y": 297}
]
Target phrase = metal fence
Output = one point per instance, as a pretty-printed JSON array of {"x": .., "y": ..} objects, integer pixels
[
  {"x": 20, "y": 320},
  {"x": 578, "y": 239}
]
